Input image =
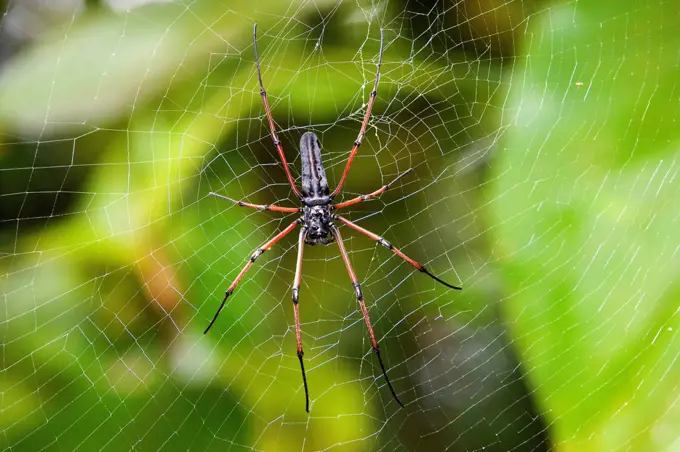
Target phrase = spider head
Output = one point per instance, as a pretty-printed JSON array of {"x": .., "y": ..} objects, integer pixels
[{"x": 317, "y": 219}]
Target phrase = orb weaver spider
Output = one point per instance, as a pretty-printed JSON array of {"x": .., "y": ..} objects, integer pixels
[{"x": 318, "y": 217}]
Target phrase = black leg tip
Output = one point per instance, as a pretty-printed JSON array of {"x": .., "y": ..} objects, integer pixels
[
  {"x": 210, "y": 325},
  {"x": 387, "y": 379},
  {"x": 300, "y": 353},
  {"x": 451, "y": 286},
  {"x": 224, "y": 300}
]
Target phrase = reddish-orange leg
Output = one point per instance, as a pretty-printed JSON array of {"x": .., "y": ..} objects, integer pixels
[
  {"x": 364, "y": 311},
  {"x": 272, "y": 207},
  {"x": 272, "y": 128},
  {"x": 378, "y": 192},
  {"x": 389, "y": 246},
  {"x": 317, "y": 217},
  {"x": 364, "y": 124},
  {"x": 258, "y": 252},
  {"x": 296, "y": 291}
]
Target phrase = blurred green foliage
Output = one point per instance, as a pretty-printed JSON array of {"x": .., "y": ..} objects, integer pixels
[
  {"x": 542, "y": 140},
  {"x": 587, "y": 218}
]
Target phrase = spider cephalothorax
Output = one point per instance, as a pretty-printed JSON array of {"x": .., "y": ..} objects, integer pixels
[{"x": 318, "y": 220}]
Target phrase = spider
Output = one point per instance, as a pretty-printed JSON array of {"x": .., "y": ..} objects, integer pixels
[{"x": 318, "y": 217}]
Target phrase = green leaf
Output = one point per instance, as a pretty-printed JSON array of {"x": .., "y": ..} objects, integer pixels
[
  {"x": 585, "y": 205},
  {"x": 106, "y": 65}
]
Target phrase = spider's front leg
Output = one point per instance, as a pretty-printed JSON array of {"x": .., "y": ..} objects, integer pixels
[
  {"x": 296, "y": 291},
  {"x": 258, "y": 252},
  {"x": 364, "y": 311},
  {"x": 418, "y": 266}
]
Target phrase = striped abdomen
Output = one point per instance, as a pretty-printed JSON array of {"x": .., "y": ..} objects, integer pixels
[{"x": 314, "y": 182}]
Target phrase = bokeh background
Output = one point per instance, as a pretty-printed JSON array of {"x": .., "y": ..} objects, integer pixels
[{"x": 544, "y": 140}]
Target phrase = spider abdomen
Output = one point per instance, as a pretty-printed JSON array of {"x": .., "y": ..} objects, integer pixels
[
  {"x": 316, "y": 197},
  {"x": 314, "y": 182}
]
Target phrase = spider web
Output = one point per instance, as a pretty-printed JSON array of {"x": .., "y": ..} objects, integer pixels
[{"x": 543, "y": 142}]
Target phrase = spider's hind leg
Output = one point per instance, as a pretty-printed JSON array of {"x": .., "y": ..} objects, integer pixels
[
  {"x": 368, "y": 196},
  {"x": 272, "y": 207}
]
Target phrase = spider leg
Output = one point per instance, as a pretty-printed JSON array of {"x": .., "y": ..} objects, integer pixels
[
  {"x": 364, "y": 124},
  {"x": 271, "y": 207},
  {"x": 364, "y": 311},
  {"x": 378, "y": 192},
  {"x": 296, "y": 291},
  {"x": 258, "y": 252},
  {"x": 389, "y": 246},
  {"x": 272, "y": 128}
]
